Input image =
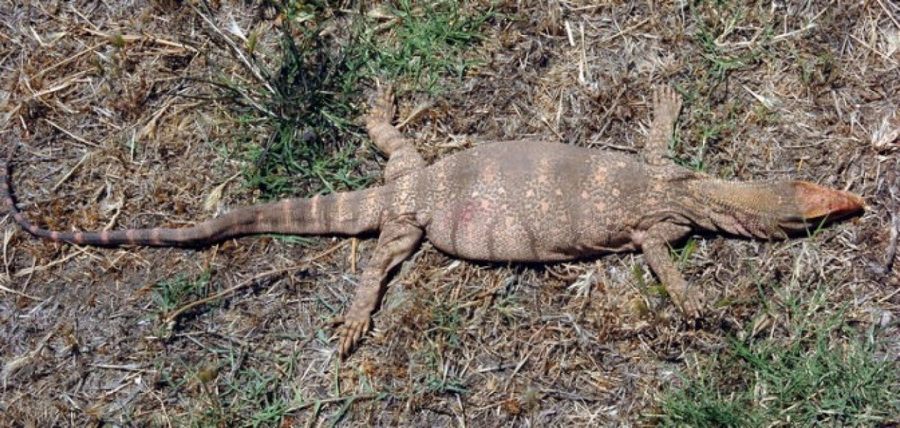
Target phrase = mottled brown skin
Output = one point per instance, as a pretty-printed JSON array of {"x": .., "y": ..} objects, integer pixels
[{"x": 520, "y": 201}]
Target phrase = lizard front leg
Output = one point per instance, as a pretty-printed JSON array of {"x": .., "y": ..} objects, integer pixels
[
  {"x": 398, "y": 239},
  {"x": 402, "y": 155},
  {"x": 656, "y": 251},
  {"x": 666, "y": 105}
]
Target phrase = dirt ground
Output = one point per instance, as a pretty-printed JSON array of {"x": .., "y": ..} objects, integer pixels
[{"x": 110, "y": 105}]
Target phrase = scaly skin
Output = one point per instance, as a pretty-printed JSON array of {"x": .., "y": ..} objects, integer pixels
[{"x": 524, "y": 201}]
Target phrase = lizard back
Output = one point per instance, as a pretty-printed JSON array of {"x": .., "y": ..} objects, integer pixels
[{"x": 531, "y": 201}]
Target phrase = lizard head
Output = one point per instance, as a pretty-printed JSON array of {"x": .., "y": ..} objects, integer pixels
[
  {"x": 816, "y": 202},
  {"x": 774, "y": 209}
]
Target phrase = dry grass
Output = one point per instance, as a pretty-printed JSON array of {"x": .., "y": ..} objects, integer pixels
[{"x": 121, "y": 123}]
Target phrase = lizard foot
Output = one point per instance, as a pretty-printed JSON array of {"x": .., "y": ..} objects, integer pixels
[
  {"x": 690, "y": 304},
  {"x": 666, "y": 102},
  {"x": 383, "y": 105},
  {"x": 351, "y": 329}
]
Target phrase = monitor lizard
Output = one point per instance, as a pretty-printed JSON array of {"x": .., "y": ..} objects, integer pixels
[{"x": 516, "y": 201}]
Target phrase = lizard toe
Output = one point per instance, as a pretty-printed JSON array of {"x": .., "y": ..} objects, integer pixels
[
  {"x": 666, "y": 101},
  {"x": 690, "y": 307},
  {"x": 336, "y": 321},
  {"x": 383, "y": 105},
  {"x": 674, "y": 99},
  {"x": 688, "y": 302},
  {"x": 350, "y": 333}
]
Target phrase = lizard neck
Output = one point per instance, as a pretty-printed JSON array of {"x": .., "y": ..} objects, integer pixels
[{"x": 749, "y": 209}]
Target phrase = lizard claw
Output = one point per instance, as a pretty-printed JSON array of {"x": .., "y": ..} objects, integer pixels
[
  {"x": 382, "y": 109},
  {"x": 666, "y": 102},
  {"x": 691, "y": 309},
  {"x": 689, "y": 304},
  {"x": 349, "y": 332}
]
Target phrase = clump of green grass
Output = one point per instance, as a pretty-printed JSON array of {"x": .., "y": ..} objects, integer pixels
[
  {"x": 426, "y": 41},
  {"x": 708, "y": 127},
  {"x": 312, "y": 100},
  {"x": 441, "y": 332},
  {"x": 715, "y": 24},
  {"x": 249, "y": 398},
  {"x": 684, "y": 253},
  {"x": 309, "y": 94},
  {"x": 173, "y": 293},
  {"x": 825, "y": 373}
]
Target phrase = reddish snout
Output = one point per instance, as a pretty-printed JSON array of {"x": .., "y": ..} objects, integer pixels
[{"x": 816, "y": 201}]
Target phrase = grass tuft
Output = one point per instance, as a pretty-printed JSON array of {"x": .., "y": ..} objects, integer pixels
[
  {"x": 825, "y": 373},
  {"x": 171, "y": 294},
  {"x": 311, "y": 94},
  {"x": 313, "y": 100},
  {"x": 428, "y": 42}
]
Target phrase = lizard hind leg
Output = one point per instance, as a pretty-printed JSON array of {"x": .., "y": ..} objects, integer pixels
[
  {"x": 666, "y": 105},
  {"x": 398, "y": 240},
  {"x": 402, "y": 155}
]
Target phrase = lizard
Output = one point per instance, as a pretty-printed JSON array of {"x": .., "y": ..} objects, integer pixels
[{"x": 511, "y": 201}]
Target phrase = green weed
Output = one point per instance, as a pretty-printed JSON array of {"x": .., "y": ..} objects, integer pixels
[
  {"x": 824, "y": 374},
  {"x": 173, "y": 293},
  {"x": 710, "y": 128},
  {"x": 715, "y": 24},
  {"x": 250, "y": 397},
  {"x": 683, "y": 254},
  {"x": 443, "y": 338},
  {"x": 312, "y": 97},
  {"x": 308, "y": 91},
  {"x": 653, "y": 289},
  {"x": 428, "y": 42}
]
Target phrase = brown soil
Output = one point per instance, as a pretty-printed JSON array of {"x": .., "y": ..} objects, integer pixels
[{"x": 110, "y": 132}]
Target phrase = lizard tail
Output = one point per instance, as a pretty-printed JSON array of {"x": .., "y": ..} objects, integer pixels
[{"x": 349, "y": 213}]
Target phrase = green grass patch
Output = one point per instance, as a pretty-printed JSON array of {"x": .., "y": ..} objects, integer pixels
[
  {"x": 173, "y": 293},
  {"x": 442, "y": 335},
  {"x": 825, "y": 373},
  {"x": 230, "y": 389},
  {"x": 250, "y": 399},
  {"x": 650, "y": 289},
  {"x": 710, "y": 118},
  {"x": 709, "y": 127},
  {"x": 312, "y": 100},
  {"x": 716, "y": 24},
  {"x": 683, "y": 255},
  {"x": 307, "y": 92},
  {"x": 419, "y": 43}
]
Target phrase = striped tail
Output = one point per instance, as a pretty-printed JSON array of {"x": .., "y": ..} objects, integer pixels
[{"x": 349, "y": 213}]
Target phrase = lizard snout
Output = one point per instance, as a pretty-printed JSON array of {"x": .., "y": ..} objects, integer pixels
[{"x": 815, "y": 201}]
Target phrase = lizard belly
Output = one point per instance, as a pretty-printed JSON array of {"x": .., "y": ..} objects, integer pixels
[
  {"x": 495, "y": 230},
  {"x": 479, "y": 229},
  {"x": 530, "y": 202}
]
